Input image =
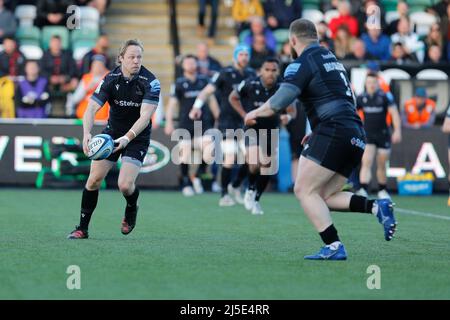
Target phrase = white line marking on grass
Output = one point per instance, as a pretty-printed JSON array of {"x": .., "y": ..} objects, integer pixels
[{"x": 422, "y": 214}]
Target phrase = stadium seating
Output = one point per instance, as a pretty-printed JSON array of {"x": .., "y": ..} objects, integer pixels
[
  {"x": 49, "y": 31},
  {"x": 391, "y": 16},
  {"x": 419, "y": 5},
  {"x": 28, "y": 36},
  {"x": 422, "y": 22},
  {"x": 310, "y": 4},
  {"x": 394, "y": 73},
  {"x": 389, "y": 5},
  {"x": 89, "y": 18},
  {"x": 83, "y": 40},
  {"x": 431, "y": 74},
  {"x": 25, "y": 14},
  {"x": 330, "y": 14},
  {"x": 312, "y": 14},
  {"x": 31, "y": 52}
]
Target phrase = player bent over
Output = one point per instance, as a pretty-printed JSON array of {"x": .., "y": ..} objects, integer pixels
[
  {"x": 133, "y": 94},
  {"x": 336, "y": 144},
  {"x": 249, "y": 95},
  {"x": 184, "y": 92}
]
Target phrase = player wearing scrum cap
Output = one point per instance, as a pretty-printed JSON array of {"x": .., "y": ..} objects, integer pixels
[{"x": 224, "y": 82}]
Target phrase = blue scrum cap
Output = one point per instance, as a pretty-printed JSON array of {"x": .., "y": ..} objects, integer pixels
[{"x": 238, "y": 49}]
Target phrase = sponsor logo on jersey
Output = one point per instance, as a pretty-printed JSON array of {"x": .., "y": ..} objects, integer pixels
[
  {"x": 331, "y": 66},
  {"x": 358, "y": 143},
  {"x": 123, "y": 103}
]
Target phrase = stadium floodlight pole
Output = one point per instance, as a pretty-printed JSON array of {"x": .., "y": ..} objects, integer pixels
[{"x": 174, "y": 37}]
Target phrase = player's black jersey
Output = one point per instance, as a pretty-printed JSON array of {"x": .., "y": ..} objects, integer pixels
[
  {"x": 125, "y": 97},
  {"x": 225, "y": 81},
  {"x": 375, "y": 109},
  {"x": 325, "y": 90},
  {"x": 253, "y": 94},
  {"x": 186, "y": 91}
]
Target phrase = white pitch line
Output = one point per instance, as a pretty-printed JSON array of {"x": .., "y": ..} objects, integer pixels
[{"x": 419, "y": 213}]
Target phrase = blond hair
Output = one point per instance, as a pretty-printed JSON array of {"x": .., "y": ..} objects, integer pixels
[{"x": 126, "y": 44}]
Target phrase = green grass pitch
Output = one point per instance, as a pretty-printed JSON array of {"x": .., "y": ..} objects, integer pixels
[{"x": 192, "y": 249}]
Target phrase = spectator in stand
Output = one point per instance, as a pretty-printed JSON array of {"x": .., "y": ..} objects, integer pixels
[
  {"x": 403, "y": 11},
  {"x": 12, "y": 4},
  {"x": 101, "y": 47},
  {"x": 280, "y": 13},
  {"x": 8, "y": 23},
  {"x": 259, "y": 52},
  {"x": 60, "y": 68},
  {"x": 440, "y": 9},
  {"x": 12, "y": 61},
  {"x": 400, "y": 56},
  {"x": 343, "y": 42},
  {"x": 89, "y": 82},
  {"x": 214, "y": 4},
  {"x": 243, "y": 11},
  {"x": 377, "y": 44},
  {"x": 445, "y": 30},
  {"x": 376, "y": 16},
  {"x": 322, "y": 33},
  {"x": 434, "y": 56},
  {"x": 326, "y": 5},
  {"x": 409, "y": 39},
  {"x": 100, "y": 5},
  {"x": 359, "y": 52},
  {"x": 419, "y": 112},
  {"x": 31, "y": 94},
  {"x": 344, "y": 18},
  {"x": 52, "y": 12},
  {"x": 284, "y": 56},
  {"x": 434, "y": 38},
  {"x": 207, "y": 65},
  {"x": 257, "y": 26},
  {"x": 58, "y": 65}
]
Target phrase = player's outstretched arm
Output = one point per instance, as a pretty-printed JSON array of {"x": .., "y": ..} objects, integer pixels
[
  {"x": 173, "y": 103},
  {"x": 147, "y": 111},
  {"x": 204, "y": 95},
  {"x": 235, "y": 101},
  {"x": 397, "y": 123},
  {"x": 214, "y": 107},
  {"x": 88, "y": 123},
  {"x": 446, "y": 125}
]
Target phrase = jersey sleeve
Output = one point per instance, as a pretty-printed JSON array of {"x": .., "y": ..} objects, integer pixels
[
  {"x": 218, "y": 79},
  {"x": 298, "y": 74},
  {"x": 152, "y": 92},
  {"x": 359, "y": 103},
  {"x": 243, "y": 88},
  {"x": 101, "y": 93}
]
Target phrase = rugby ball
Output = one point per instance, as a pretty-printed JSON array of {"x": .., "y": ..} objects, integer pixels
[{"x": 100, "y": 147}]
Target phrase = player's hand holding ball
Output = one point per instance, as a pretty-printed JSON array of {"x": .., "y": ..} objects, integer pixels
[
  {"x": 250, "y": 118},
  {"x": 99, "y": 147},
  {"x": 121, "y": 143},
  {"x": 195, "y": 114},
  {"x": 86, "y": 139}
]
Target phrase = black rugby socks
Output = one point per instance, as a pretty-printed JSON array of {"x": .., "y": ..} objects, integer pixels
[
  {"x": 329, "y": 235},
  {"x": 225, "y": 179},
  {"x": 242, "y": 173},
  {"x": 88, "y": 203},
  {"x": 361, "y": 204},
  {"x": 261, "y": 184}
]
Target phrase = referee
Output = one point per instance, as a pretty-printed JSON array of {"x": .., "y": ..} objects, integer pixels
[
  {"x": 132, "y": 92},
  {"x": 336, "y": 144}
]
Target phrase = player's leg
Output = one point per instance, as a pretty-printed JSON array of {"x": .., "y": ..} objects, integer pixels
[
  {"x": 251, "y": 154},
  {"x": 382, "y": 160},
  {"x": 99, "y": 170},
  {"x": 309, "y": 183},
  {"x": 129, "y": 171},
  {"x": 365, "y": 175},
  {"x": 185, "y": 159},
  {"x": 229, "y": 150}
]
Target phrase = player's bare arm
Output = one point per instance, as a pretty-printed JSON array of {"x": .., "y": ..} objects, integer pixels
[
  {"x": 291, "y": 114},
  {"x": 397, "y": 123},
  {"x": 147, "y": 111},
  {"x": 88, "y": 123},
  {"x": 214, "y": 106},
  {"x": 173, "y": 103},
  {"x": 203, "y": 96},
  {"x": 282, "y": 99},
  {"x": 235, "y": 102}
]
